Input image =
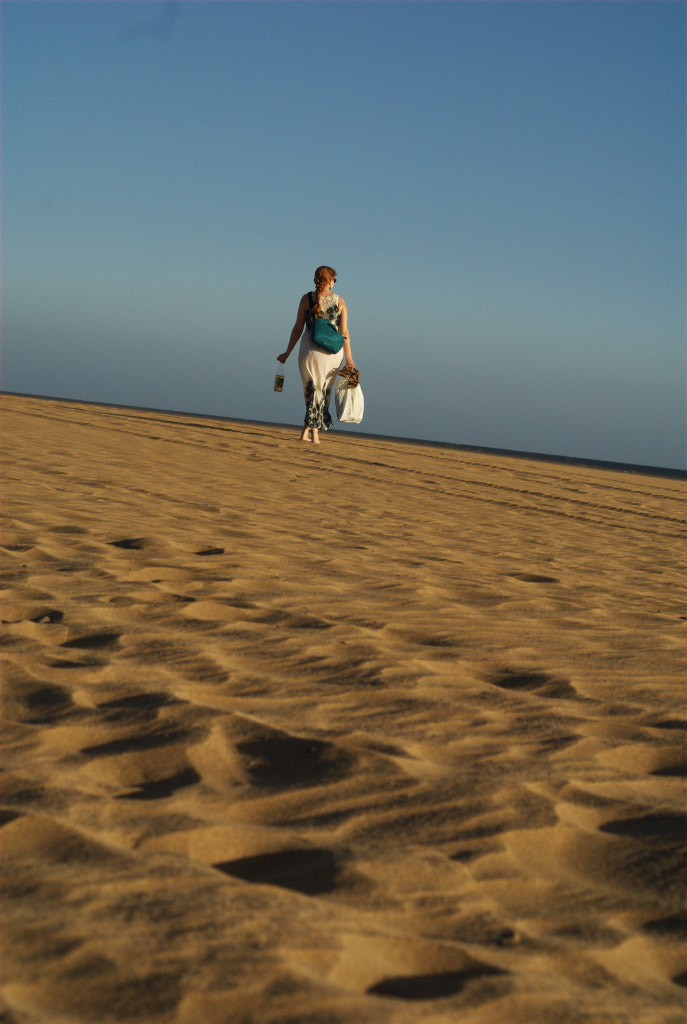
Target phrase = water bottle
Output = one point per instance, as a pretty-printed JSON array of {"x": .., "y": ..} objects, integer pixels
[{"x": 279, "y": 381}]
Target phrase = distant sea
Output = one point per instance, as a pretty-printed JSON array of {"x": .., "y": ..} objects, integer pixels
[{"x": 624, "y": 467}]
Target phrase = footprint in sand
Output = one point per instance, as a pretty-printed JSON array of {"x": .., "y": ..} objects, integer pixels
[
  {"x": 674, "y": 926},
  {"x": 138, "y": 705},
  {"x": 160, "y": 789},
  {"x": 37, "y": 703},
  {"x": 432, "y": 986},
  {"x": 164, "y": 737},
  {"x": 93, "y": 641},
  {"x": 151, "y": 761},
  {"x": 416, "y": 970},
  {"x": 650, "y": 827},
  {"x": 48, "y": 615},
  {"x": 643, "y": 854},
  {"x": 273, "y": 759},
  {"x": 312, "y": 872},
  {"x": 530, "y": 577},
  {"x": 38, "y": 613},
  {"x": 538, "y": 683},
  {"x": 671, "y": 723}
]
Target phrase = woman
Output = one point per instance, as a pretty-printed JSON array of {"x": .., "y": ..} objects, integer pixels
[{"x": 318, "y": 367}]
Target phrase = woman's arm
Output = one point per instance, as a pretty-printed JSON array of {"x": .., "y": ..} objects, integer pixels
[
  {"x": 343, "y": 329},
  {"x": 297, "y": 329}
]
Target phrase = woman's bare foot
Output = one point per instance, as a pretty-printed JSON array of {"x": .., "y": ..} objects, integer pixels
[
  {"x": 305, "y": 436},
  {"x": 315, "y": 436}
]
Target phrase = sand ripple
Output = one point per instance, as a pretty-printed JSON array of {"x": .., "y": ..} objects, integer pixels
[{"x": 372, "y": 733}]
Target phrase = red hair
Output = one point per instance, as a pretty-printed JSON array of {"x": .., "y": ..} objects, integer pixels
[{"x": 324, "y": 276}]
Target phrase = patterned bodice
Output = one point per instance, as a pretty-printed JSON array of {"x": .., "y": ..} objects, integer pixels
[{"x": 329, "y": 305}]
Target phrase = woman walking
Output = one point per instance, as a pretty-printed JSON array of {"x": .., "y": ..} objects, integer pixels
[{"x": 318, "y": 367}]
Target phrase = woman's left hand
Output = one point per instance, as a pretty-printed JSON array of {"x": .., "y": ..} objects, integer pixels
[{"x": 282, "y": 358}]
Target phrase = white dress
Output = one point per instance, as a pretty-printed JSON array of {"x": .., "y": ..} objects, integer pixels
[{"x": 318, "y": 369}]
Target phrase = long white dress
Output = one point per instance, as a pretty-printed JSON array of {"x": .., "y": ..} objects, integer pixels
[{"x": 318, "y": 369}]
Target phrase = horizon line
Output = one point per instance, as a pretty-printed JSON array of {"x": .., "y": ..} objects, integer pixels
[{"x": 626, "y": 467}]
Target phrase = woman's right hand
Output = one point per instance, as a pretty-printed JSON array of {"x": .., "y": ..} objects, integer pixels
[{"x": 282, "y": 358}]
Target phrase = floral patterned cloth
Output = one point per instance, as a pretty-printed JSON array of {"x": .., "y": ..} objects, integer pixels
[{"x": 318, "y": 369}]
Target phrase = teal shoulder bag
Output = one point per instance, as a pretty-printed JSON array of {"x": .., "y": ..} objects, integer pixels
[{"x": 324, "y": 333}]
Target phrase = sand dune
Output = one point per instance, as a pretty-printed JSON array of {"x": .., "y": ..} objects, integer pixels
[{"x": 361, "y": 734}]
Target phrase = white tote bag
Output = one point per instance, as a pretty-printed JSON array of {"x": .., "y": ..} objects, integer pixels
[{"x": 349, "y": 402}]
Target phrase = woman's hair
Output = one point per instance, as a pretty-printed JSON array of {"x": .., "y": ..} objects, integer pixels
[{"x": 323, "y": 277}]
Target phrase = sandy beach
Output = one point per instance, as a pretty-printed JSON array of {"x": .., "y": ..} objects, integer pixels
[{"x": 369, "y": 733}]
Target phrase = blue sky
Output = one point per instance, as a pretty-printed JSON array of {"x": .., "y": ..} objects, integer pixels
[{"x": 500, "y": 186}]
